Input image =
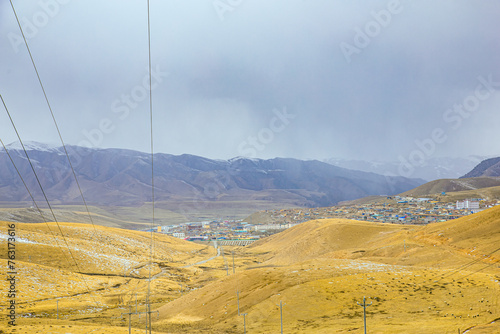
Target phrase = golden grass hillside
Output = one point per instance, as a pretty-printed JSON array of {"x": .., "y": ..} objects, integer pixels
[
  {"x": 322, "y": 269},
  {"x": 438, "y": 278},
  {"x": 99, "y": 249},
  {"x": 436, "y": 244},
  {"x": 477, "y": 236},
  {"x": 90, "y": 273},
  {"x": 337, "y": 238}
]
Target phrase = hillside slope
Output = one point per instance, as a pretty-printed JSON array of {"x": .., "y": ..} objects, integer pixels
[
  {"x": 476, "y": 235},
  {"x": 88, "y": 272},
  {"x": 452, "y": 185},
  {"x": 96, "y": 249},
  {"x": 439, "y": 278},
  {"x": 488, "y": 167},
  {"x": 489, "y": 193},
  {"x": 446, "y": 243},
  {"x": 331, "y": 238}
]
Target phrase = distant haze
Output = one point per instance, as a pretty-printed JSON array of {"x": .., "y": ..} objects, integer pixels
[{"x": 371, "y": 80}]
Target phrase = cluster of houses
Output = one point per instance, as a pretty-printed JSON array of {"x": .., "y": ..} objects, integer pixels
[
  {"x": 394, "y": 209},
  {"x": 222, "y": 230},
  {"x": 397, "y": 210}
]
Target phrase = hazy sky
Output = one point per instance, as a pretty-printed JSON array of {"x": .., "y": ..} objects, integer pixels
[{"x": 291, "y": 78}]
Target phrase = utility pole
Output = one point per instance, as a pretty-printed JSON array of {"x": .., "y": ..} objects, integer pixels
[
  {"x": 148, "y": 317},
  {"x": 233, "y": 260},
  {"x": 238, "y": 299},
  {"x": 129, "y": 320},
  {"x": 57, "y": 306},
  {"x": 281, "y": 316},
  {"x": 225, "y": 261},
  {"x": 147, "y": 323},
  {"x": 364, "y": 310},
  {"x": 244, "y": 323}
]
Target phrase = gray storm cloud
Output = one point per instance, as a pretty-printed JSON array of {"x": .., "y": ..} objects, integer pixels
[{"x": 366, "y": 80}]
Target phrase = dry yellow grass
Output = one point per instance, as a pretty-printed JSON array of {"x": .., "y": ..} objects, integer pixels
[
  {"x": 476, "y": 235},
  {"x": 111, "y": 268},
  {"x": 433, "y": 279},
  {"x": 53, "y": 327},
  {"x": 321, "y": 269}
]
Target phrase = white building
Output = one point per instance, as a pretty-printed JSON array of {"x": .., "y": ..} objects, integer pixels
[
  {"x": 179, "y": 235},
  {"x": 273, "y": 227},
  {"x": 467, "y": 204}
]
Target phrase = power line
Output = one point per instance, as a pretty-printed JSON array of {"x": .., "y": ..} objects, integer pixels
[
  {"x": 148, "y": 301},
  {"x": 46, "y": 198},
  {"x": 53, "y": 117},
  {"x": 460, "y": 268},
  {"x": 475, "y": 272},
  {"x": 31, "y": 196},
  {"x": 453, "y": 272}
]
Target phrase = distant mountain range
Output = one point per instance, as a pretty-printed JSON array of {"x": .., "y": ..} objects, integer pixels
[
  {"x": 482, "y": 181},
  {"x": 123, "y": 178},
  {"x": 433, "y": 169},
  {"x": 489, "y": 167}
]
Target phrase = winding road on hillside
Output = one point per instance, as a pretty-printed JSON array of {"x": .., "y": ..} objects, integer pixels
[{"x": 209, "y": 259}]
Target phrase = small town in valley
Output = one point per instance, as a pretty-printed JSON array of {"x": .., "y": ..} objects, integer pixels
[{"x": 390, "y": 209}]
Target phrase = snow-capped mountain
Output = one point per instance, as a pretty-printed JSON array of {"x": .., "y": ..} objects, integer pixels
[{"x": 123, "y": 177}]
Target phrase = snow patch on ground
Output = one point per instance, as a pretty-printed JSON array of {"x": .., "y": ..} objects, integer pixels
[{"x": 21, "y": 240}]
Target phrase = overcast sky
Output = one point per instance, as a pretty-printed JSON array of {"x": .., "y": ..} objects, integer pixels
[{"x": 310, "y": 79}]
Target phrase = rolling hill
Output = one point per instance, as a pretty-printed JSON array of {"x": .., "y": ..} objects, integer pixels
[
  {"x": 338, "y": 238},
  {"x": 439, "y": 278},
  {"x": 86, "y": 272},
  {"x": 472, "y": 185},
  {"x": 477, "y": 236}
]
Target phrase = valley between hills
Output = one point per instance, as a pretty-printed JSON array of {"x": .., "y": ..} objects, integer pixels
[{"x": 82, "y": 278}]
